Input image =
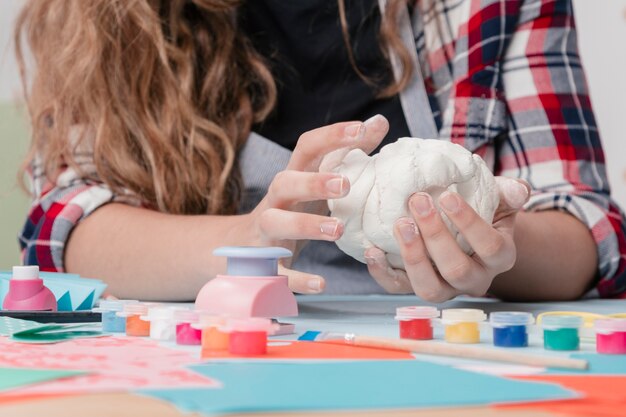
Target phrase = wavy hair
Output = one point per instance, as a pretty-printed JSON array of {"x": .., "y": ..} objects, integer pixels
[{"x": 164, "y": 93}]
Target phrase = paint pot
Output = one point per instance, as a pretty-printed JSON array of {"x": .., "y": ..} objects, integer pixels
[
  {"x": 248, "y": 336},
  {"x": 611, "y": 336},
  {"x": 185, "y": 333},
  {"x": 415, "y": 322},
  {"x": 510, "y": 328},
  {"x": 462, "y": 324},
  {"x": 111, "y": 322},
  {"x": 561, "y": 332},
  {"x": 161, "y": 319},
  {"x": 213, "y": 340},
  {"x": 135, "y": 326}
]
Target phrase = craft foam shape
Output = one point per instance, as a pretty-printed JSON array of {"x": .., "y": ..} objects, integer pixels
[
  {"x": 11, "y": 378},
  {"x": 381, "y": 186},
  {"x": 28, "y": 292},
  {"x": 252, "y": 286}
]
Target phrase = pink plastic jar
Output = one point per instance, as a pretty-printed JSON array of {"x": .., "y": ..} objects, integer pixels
[
  {"x": 186, "y": 334},
  {"x": 610, "y": 336},
  {"x": 248, "y": 336}
]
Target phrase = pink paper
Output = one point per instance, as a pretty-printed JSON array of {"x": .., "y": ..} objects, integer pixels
[{"x": 114, "y": 363}]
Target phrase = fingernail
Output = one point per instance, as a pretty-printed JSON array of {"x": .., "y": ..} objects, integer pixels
[
  {"x": 355, "y": 131},
  {"x": 375, "y": 122},
  {"x": 370, "y": 260},
  {"x": 408, "y": 231},
  {"x": 329, "y": 228},
  {"x": 450, "y": 202},
  {"x": 314, "y": 284},
  {"x": 422, "y": 204},
  {"x": 337, "y": 186},
  {"x": 516, "y": 193}
]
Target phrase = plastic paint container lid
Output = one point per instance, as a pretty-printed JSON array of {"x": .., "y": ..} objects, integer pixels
[
  {"x": 25, "y": 272},
  {"x": 186, "y": 316},
  {"x": 416, "y": 312},
  {"x": 208, "y": 320},
  {"x": 135, "y": 309},
  {"x": 252, "y": 261},
  {"x": 251, "y": 324},
  {"x": 112, "y": 305},
  {"x": 608, "y": 326},
  {"x": 510, "y": 318},
  {"x": 460, "y": 315},
  {"x": 561, "y": 322},
  {"x": 160, "y": 313}
]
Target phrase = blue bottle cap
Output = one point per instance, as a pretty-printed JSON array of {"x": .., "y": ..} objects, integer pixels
[{"x": 252, "y": 261}]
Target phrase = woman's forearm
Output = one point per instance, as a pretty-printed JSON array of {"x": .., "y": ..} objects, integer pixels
[
  {"x": 556, "y": 259},
  {"x": 145, "y": 254}
]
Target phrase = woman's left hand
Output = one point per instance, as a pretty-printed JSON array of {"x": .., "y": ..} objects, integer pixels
[{"x": 436, "y": 267}]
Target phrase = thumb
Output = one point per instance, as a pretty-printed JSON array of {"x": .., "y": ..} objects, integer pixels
[{"x": 303, "y": 282}]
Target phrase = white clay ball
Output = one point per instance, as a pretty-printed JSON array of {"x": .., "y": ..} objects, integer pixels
[{"x": 381, "y": 186}]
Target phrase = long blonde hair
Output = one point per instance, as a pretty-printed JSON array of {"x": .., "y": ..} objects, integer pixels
[{"x": 165, "y": 93}]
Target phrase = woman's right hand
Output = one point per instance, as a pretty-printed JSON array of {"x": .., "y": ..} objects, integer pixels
[{"x": 294, "y": 209}]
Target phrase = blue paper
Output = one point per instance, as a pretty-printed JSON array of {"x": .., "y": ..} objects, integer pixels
[
  {"x": 72, "y": 291},
  {"x": 598, "y": 365},
  {"x": 300, "y": 386}
]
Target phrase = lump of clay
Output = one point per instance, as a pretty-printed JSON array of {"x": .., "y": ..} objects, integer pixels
[{"x": 382, "y": 184}]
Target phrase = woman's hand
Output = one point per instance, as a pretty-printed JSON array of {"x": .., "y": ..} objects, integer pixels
[
  {"x": 294, "y": 209},
  {"x": 436, "y": 267}
]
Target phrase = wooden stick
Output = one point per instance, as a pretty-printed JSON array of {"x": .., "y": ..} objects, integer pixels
[{"x": 464, "y": 351}]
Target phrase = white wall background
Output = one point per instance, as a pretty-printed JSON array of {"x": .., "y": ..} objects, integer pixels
[
  {"x": 602, "y": 36},
  {"x": 9, "y": 77}
]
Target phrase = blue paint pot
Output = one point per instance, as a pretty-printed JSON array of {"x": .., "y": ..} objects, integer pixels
[
  {"x": 111, "y": 322},
  {"x": 510, "y": 328}
]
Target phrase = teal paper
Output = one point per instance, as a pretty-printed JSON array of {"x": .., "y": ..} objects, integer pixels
[
  {"x": 598, "y": 365},
  {"x": 17, "y": 377},
  {"x": 303, "y": 386}
]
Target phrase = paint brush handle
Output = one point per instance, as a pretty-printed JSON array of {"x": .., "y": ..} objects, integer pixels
[{"x": 470, "y": 352}]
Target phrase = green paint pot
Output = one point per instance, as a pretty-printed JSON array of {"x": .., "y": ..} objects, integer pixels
[{"x": 560, "y": 332}]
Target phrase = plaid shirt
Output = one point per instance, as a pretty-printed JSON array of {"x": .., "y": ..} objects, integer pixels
[{"x": 504, "y": 80}]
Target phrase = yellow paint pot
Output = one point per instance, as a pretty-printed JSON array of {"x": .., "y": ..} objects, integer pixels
[{"x": 462, "y": 324}]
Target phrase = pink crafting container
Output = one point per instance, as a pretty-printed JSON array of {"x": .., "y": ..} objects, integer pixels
[
  {"x": 251, "y": 287},
  {"x": 27, "y": 292},
  {"x": 610, "y": 336}
]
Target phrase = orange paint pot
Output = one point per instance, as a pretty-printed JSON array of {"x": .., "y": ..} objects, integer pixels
[
  {"x": 213, "y": 340},
  {"x": 135, "y": 326}
]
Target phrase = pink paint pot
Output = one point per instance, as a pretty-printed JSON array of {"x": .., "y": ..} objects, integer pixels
[
  {"x": 248, "y": 336},
  {"x": 185, "y": 333},
  {"x": 415, "y": 322},
  {"x": 610, "y": 336}
]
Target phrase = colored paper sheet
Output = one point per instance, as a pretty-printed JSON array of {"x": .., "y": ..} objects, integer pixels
[
  {"x": 115, "y": 364},
  {"x": 11, "y": 378},
  {"x": 286, "y": 349},
  {"x": 301, "y": 386},
  {"x": 10, "y": 325},
  {"x": 598, "y": 365},
  {"x": 26, "y": 331},
  {"x": 603, "y": 396}
]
